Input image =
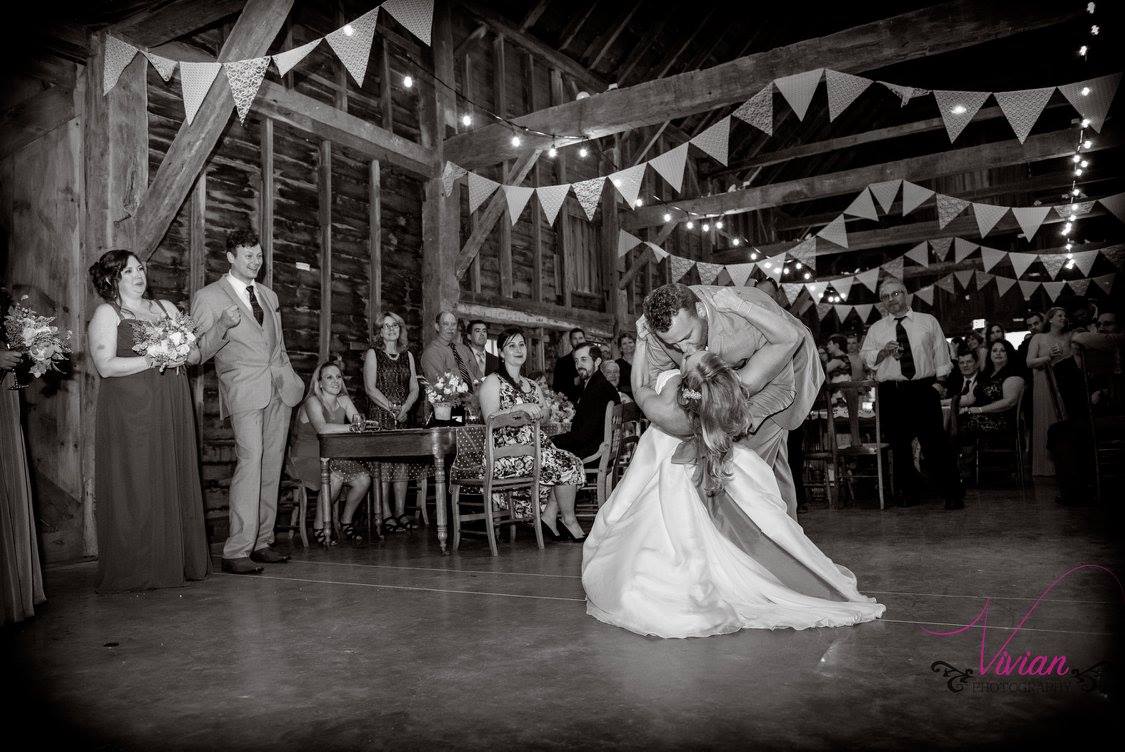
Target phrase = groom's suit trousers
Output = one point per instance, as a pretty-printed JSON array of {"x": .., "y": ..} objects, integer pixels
[
  {"x": 771, "y": 444},
  {"x": 259, "y": 437}
]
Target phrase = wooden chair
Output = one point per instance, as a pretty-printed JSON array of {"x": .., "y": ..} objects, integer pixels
[
  {"x": 624, "y": 443},
  {"x": 1106, "y": 418},
  {"x": 1012, "y": 445},
  {"x": 820, "y": 448},
  {"x": 599, "y": 464},
  {"x": 847, "y": 458},
  {"x": 474, "y": 468}
]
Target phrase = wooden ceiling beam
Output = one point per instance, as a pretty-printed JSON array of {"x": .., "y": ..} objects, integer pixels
[
  {"x": 571, "y": 32},
  {"x": 156, "y": 26},
  {"x": 610, "y": 38},
  {"x": 908, "y": 36},
  {"x": 534, "y": 14}
]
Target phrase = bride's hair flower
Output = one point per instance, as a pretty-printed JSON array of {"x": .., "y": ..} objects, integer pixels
[{"x": 690, "y": 395}]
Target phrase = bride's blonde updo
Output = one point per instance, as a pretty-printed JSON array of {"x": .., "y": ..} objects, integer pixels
[{"x": 712, "y": 397}]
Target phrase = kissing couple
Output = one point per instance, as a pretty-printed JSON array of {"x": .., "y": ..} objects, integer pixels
[{"x": 700, "y": 535}]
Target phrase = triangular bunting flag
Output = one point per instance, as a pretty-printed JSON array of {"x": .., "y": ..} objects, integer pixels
[
  {"x": 245, "y": 76},
  {"x": 964, "y": 276},
  {"x": 987, "y": 216},
  {"x": 589, "y": 192},
  {"x": 286, "y": 60},
  {"x": 869, "y": 279},
  {"x": 1023, "y": 108},
  {"x": 962, "y": 249},
  {"x": 1084, "y": 260},
  {"x": 864, "y": 311},
  {"x": 707, "y": 272},
  {"x": 843, "y": 286},
  {"x": 862, "y": 206},
  {"x": 798, "y": 90},
  {"x": 905, "y": 93},
  {"x": 679, "y": 266},
  {"x": 628, "y": 183},
  {"x": 163, "y": 65},
  {"x": 1028, "y": 288},
  {"x": 823, "y": 309},
  {"x": 925, "y": 293},
  {"x": 991, "y": 257},
  {"x": 352, "y": 43},
  {"x": 805, "y": 252},
  {"x": 195, "y": 81},
  {"x": 517, "y": 197},
  {"x": 1030, "y": 218},
  {"x": 626, "y": 242},
  {"x": 946, "y": 283},
  {"x": 739, "y": 273},
  {"x": 449, "y": 175},
  {"x": 1091, "y": 98},
  {"x": 1053, "y": 263},
  {"x": 835, "y": 232},
  {"x": 670, "y": 166},
  {"x": 948, "y": 207},
  {"x": 885, "y": 193},
  {"x": 416, "y": 16},
  {"x": 894, "y": 268},
  {"x": 843, "y": 311},
  {"x": 1079, "y": 286},
  {"x": 940, "y": 247},
  {"x": 772, "y": 269},
  {"x": 843, "y": 88},
  {"x": 1105, "y": 282},
  {"x": 480, "y": 188},
  {"x": 913, "y": 196},
  {"x": 816, "y": 290},
  {"x": 1077, "y": 208},
  {"x": 551, "y": 199},
  {"x": 1115, "y": 205},
  {"x": 982, "y": 278},
  {"x": 118, "y": 55},
  {"x": 657, "y": 251},
  {"x": 920, "y": 254},
  {"x": 715, "y": 140},
  {"x": 1003, "y": 284},
  {"x": 1020, "y": 262},
  {"x": 792, "y": 291},
  {"x": 758, "y": 110},
  {"x": 958, "y": 108},
  {"x": 1053, "y": 289}
]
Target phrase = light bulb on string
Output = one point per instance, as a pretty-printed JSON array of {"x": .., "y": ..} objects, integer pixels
[
  {"x": 706, "y": 227},
  {"x": 1087, "y": 144},
  {"x": 753, "y": 255},
  {"x": 736, "y": 242},
  {"x": 690, "y": 225},
  {"x": 667, "y": 217},
  {"x": 807, "y": 275},
  {"x": 1078, "y": 173},
  {"x": 639, "y": 202},
  {"x": 1085, "y": 91},
  {"x": 466, "y": 120},
  {"x": 1075, "y": 192},
  {"x": 959, "y": 109},
  {"x": 1082, "y": 51},
  {"x": 797, "y": 264},
  {"x": 719, "y": 225},
  {"x": 583, "y": 152},
  {"x": 516, "y": 140},
  {"x": 1095, "y": 30},
  {"x": 1072, "y": 217},
  {"x": 1076, "y": 158},
  {"x": 1084, "y": 163},
  {"x": 1085, "y": 122},
  {"x": 408, "y": 81},
  {"x": 552, "y": 152}
]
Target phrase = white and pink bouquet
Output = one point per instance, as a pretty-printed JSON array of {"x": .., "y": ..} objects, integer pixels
[
  {"x": 37, "y": 336},
  {"x": 561, "y": 409},
  {"x": 166, "y": 341},
  {"x": 449, "y": 389}
]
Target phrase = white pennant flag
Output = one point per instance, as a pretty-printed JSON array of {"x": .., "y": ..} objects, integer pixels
[
  {"x": 958, "y": 108},
  {"x": 245, "y": 77},
  {"x": 823, "y": 309},
  {"x": 913, "y": 196},
  {"x": 864, "y": 311},
  {"x": 948, "y": 207},
  {"x": 1003, "y": 284},
  {"x": 1105, "y": 282},
  {"x": 1030, "y": 218},
  {"x": 843, "y": 89},
  {"x": 962, "y": 249},
  {"x": 792, "y": 291},
  {"x": 480, "y": 188},
  {"x": 835, "y": 232},
  {"x": 163, "y": 65},
  {"x": 940, "y": 247},
  {"x": 707, "y": 272},
  {"x": 1092, "y": 98},
  {"x": 286, "y": 60},
  {"x": 679, "y": 267},
  {"x": 1084, "y": 260},
  {"x": 517, "y": 197},
  {"x": 1020, "y": 262},
  {"x": 773, "y": 269},
  {"x": 1053, "y": 289},
  {"x": 905, "y": 93},
  {"x": 1053, "y": 263},
  {"x": 715, "y": 140},
  {"x": 118, "y": 55},
  {"x": 352, "y": 43},
  {"x": 628, "y": 183},
  {"x": 1023, "y": 108},
  {"x": 626, "y": 241},
  {"x": 862, "y": 206},
  {"x": 589, "y": 192},
  {"x": 416, "y": 16},
  {"x": 964, "y": 277},
  {"x": 869, "y": 278},
  {"x": 670, "y": 166},
  {"x": 894, "y": 268},
  {"x": 843, "y": 311},
  {"x": 983, "y": 278},
  {"x": 805, "y": 252},
  {"x": 758, "y": 110},
  {"x": 926, "y": 293},
  {"x": 1115, "y": 205},
  {"x": 798, "y": 89},
  {"x": 195, "y": 81},
  {"x": 987, "y": 216},
  {"x": 885, "y": 193},
  {"x": 449, "y": 175},
  {"x": 739, "y": 273},
  {"x": 946, "y": 283},
  {"x": 551, "y": 199},
  {"x": 843, "y": 286},
  {"x": 1079, "y": 286},
  {"x": 991, "y": 257},
  {"x": 659, "y": 253},
  {"x": 920, "y": 253}
]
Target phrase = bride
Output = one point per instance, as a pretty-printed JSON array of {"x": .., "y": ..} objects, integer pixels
[{"x": 695, "y": 539}]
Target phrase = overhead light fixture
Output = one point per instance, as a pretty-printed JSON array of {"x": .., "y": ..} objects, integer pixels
[
  {"x": 466, "y": 120},
  {"x": 690, "y": 225},
  {"x": 639, "y": 202},
  {"x": 583, "y": 152},
  {"x": 552, "y": 152},
  {"x": 719, "y": 225},
  {"x": 736, "y": 242},
  {"x": 667, "y": 217},
  {"x": 408, "y": 81},
  {"x": 516, "y": 141}
]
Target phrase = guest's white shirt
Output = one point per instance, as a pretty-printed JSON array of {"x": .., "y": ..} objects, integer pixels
[
  {"x": 239, "y": 288},
  {"x": 927, "y": 343}
]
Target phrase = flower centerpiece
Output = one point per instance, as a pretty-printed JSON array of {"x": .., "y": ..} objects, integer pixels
[
  {"x": 561, "y": 409},
  {"x": 39, "y": 338},
  {"x": 166, "y": 341},
  {"x": 449, "y": 390}
]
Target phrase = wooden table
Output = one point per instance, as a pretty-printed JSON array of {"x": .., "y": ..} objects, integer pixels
[{"x": 400, "y": 444}]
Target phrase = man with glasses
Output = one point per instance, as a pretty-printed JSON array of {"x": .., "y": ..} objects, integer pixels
[{"x": 907, "y": 351}]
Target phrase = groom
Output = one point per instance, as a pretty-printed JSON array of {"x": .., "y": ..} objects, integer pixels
[
  {"x": 239, "y": 324},
  {"x": 773, "y": 353}
]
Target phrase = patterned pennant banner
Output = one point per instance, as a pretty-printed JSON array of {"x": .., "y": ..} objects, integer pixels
[
  {"x": 659, "y": 253},
  {"x": 352, "y": 43},
  {"x": 1053, "y": 289},
  {"x": 589, "y": 192},
  {"x": 843, "y": 286},
  {"x": 449, "y": 175},
  {"x": 1023, "y": 108},
  {"x": 1053, "y": 263},
  {"x": 416, "y": 16},
  {"x": 551, "y": 199},
  {"x": 862, "y": 206},
  {"x": 1030, "y": 218},
  {"x": 1084, "y": 260},
  {"x": 864, "y": 311},
  {"x": 894, "y": 268},
  {"x": 987, "y": 216},
  {"x": 1105, "y": 282},
  {"x": 946, "y": 283},
  {"x": 517, "y": 197},
  {"x": 843, "y": 89},
  {"x": 1003, "y": 284},
  {"x": 982, "y": 279},
  {"x": 245, "y": 77},
  {"x": 628, "y": 183},
  {"x": 822, "y": 310},
  {"x": 843, "y": 311},
  {"x": 1079, "y": 286},
  {"x": 920, "y": 254},
  {"x": 885, "y": 193},
  {"x": 773, "y": 268},
  {"x": 626, "y": 242},
  {"x": 792, "y": 291},
  {"x": 1020, "y": 262},
  {"x": 962, "y": 249},
  {"x": 670, "y": 166},
  {"x": 480, "y": 188},
  {"x": 1092, "y": 98},
  {"x": 958, "y": 108},
  {"x": 948, "y": 207},
  {"x": 805, "y": 252},
  {"x": 835, "y": 232},
  {"x": 195, "y": 82},
  {"x": 991, "y": 257},
  {"x": 913, "y": 196},
  {"x": 715, "y": 140},
  {"x": 1078, "y": 209},
  {"x": 905, "y": 93},
  {"x": 964, "y": 277},
  {"x": 679, "y": 266},
  {"x": 940, "y": 247},
  {"x": 118, "y": 55},
  {"x": 286, "y": 60},
  {"x": 1028, "y": 288},
  {"x": 869, "y": 279},
  {"x": 1115, "y": 205},
  {"x": 758, "y": 110},
  {"x": 926, "y": 293},
  {"x": 798, "y": 89},
  {"x": 739, "y": 273},
  {"x": 708, "y": 273},
  {"x": 163, "y": 65}
]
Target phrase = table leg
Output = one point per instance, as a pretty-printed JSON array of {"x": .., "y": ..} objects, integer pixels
[
  {"x": 325, "y": 500},
  {"x": 440, "y": 500},
  {"x": 377, "y": 488}
]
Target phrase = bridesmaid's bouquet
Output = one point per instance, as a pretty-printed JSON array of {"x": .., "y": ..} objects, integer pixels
[
  {"x": 561, "y": 409},
  {"x": 166, "y": 341},
  {"x": 37, "y": 336},
  {"x": 449, "y": 389}
]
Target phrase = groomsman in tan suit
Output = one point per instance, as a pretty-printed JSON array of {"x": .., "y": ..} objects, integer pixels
[{"x": 240, "y": 326}]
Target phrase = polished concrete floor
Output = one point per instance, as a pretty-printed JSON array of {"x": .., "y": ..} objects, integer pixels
[{"x": 394, "y": 647}]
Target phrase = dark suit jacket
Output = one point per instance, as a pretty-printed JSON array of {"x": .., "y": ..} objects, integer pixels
[
  {"x": 491, "y": 363},
  {"x": 564, "y": 376},
  {"x": 588, "y": 428}
]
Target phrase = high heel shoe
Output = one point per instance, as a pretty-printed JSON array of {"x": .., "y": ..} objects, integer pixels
[
  {"x": 567, "y": 536},
  {"x": 323, "y": 536},
  {"x": 548, "y": 533},
  {"x": 350, "y": 533}
]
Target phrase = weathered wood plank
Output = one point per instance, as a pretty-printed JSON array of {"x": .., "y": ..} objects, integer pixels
[
  {"x": 34, "y": 117},
  {"x": 374, "y": 248},
  {"x": 155, "y": 26},
  {"x": 324, "y": 215},
  {"x": 530, "y": 314},
  {"x": 267, "y": 199}
]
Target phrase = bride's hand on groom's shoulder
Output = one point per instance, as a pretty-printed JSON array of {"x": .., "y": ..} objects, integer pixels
[{"x": 642, "y": 329}]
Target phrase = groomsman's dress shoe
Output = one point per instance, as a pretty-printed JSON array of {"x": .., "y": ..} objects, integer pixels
[
  {"x": 268, "y": 556},
  {"x": 241, "y": 565}
]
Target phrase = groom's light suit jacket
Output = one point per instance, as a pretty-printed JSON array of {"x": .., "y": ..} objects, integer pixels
[{"x": 740, "y": 321}]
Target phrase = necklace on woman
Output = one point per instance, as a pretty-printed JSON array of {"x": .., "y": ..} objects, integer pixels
[{"x": 391, "y": 355}]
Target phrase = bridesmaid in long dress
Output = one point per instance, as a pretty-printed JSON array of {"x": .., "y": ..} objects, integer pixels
[
  {"x": 149, "y": 501},
  {"x": 1047, "y": 348}
]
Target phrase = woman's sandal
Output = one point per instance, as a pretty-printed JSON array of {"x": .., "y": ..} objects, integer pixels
[
  {"x": 390, "y": 525},
  {"x": 348, "y": 531},
  {"x": 323, "y": 536},
  {"x": 405, "y": 522}
]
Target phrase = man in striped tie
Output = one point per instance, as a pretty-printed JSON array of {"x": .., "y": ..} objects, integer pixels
[{"x": 448, "y": 353}]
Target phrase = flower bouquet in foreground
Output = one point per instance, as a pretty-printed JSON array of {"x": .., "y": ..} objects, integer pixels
[
  {"x": 164, "y": 342},
  {"x": 449, "y": 390},
  {"x": 38, "y": 337},
  {"x": 561, "y": 409}
]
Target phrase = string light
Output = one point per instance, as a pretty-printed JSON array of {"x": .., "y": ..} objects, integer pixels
[
  {"x": 348, "y": 30},
  {"x": 719, "y": 225},
  {"x": 639, "y": 202},
  {"x": 466, "y": 120},
  {"x": 552, "y": 152},
  {"x": 667, "y": 217},
  {"x": 736, "y": 242},
  {"x": 807, "y": 275},
  {"x": 583, "y": 152},
  {"x": 706, "y": 227},
  {"x": 1082, "y": 51},
  {"x": 516, "y": 141},
  {"x": 408, "y": 81},
  {"x": 753, "y": 255},
  {"x": 1087, "y": 144},
  {"x": 959, "y": 109},
  {"x": 690, "y": 225}
]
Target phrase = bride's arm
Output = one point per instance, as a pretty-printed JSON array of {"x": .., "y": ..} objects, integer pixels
[{"x": 660, "y": 407}]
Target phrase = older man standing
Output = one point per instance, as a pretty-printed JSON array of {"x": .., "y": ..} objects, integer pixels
[
  {"x": 908, "y": 352},
  {"x": 445, "y": 353}
]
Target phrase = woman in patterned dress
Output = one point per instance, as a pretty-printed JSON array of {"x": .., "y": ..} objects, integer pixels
[
  {"x": 391, "y": 382},
  {"x": 506, "y": 391},
  {"x": 991, "y": 407}
]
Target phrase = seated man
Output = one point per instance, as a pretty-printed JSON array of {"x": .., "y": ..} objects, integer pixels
[{"x": 588, "y": 427}]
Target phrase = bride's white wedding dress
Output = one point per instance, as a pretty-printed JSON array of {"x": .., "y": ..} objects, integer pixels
[{"x": 663, "y": 560}]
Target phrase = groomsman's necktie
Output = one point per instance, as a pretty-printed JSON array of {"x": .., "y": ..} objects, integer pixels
[
  {"x": 906, "y": 360},
  {"x": 461, "y": 367},
  {"x": 254, "y": 306}
]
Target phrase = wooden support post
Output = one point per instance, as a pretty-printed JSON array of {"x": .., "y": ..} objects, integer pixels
[
  {"x": 500, "y": 91},
  {"x": 385, "y": 97},
  {"x": 374, "y": 249},
  {"x": 468, "y": 88},
  {"x": 324, "y": 194},
  {"x": 562, "y": 223},
  {"x": 536, "y": 213},
  {"x": 267, "y": 199},
  {"x": 609, "y": 230},
  {"x": 197, "y": 268}
]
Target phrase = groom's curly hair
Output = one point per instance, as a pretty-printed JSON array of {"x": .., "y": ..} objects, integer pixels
[{"x": 665, "y": 302}]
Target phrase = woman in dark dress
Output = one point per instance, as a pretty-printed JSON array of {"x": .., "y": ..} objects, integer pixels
[
  {"x": 991, "y": 407},
  {"x": 627, "y": 345},
  {"x": 391, "y": 382},
  {"x": 149, "y": 502}
]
